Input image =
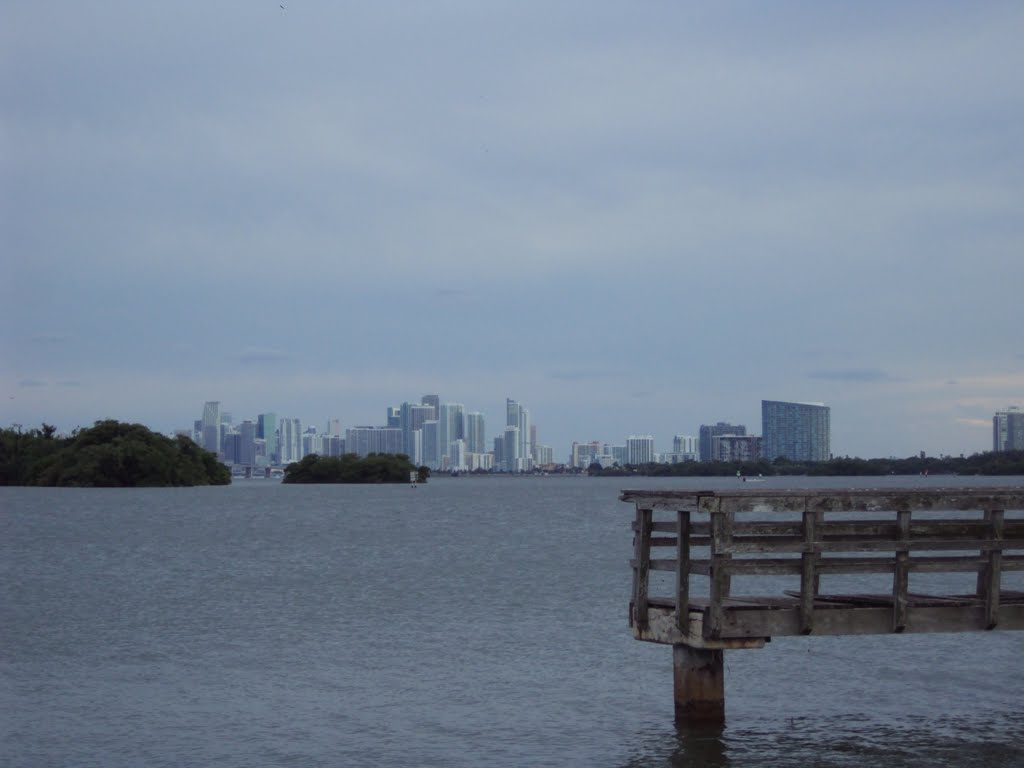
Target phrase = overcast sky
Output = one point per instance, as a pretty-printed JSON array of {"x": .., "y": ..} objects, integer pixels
[{"x": 633, "y": 218}]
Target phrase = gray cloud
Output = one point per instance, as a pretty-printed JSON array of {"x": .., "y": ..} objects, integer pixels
[
  {"x": 702, "y": 203},
  {"x": 262, "y": 355},
  {"x": 851, "y": 374}
]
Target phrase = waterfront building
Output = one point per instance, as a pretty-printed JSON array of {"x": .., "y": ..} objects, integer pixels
[
  {"x": 289, "y": 440},
  {"x": 211, "y": 426},
  {"x": 451, "y": 427},
  {"x": 733, "y": 448},
  {"x": 512, "y": 460},
  {"x": 582, "y": 455},
  {"x": 245, "y": 453},
  {"x": 363, "y": 441},
  {"x": 410, "y": 419},
  {"x": 639, "y": 449},
  {"x": 519, "y": 417},
  {"x": 709, "y": 431},
  {"x": 796, "y": 431},
  {"x": 334, "y": 427},
  {"x": 1008, "y": 430},
  {"x": 476, "y": 440},
  {"x": 543, "y": 455},
  {"x": 686, "y": 447},
  {"x": 266, "y": 429},
  {"x": 429, "y": 441}
]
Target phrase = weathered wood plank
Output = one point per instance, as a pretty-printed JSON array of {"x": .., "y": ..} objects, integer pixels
[
  {"x": 683, "y": 569},
  {"x": 643, "y": 557},
  {"x": 840, "y": 565},
  {"x": 808, "y": 572},
  {"x": 738, "y": 546},
  {"x": 993, "y": 569},
  {"x": 865, "y": 621},
  {"x": 901, "y": 573},
  {"x": 721, "y": 539}
]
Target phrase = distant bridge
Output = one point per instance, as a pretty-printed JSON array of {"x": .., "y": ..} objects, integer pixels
[{"x": 251, "y": 472}]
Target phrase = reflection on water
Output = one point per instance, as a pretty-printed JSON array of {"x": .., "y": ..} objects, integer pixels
[{"x": 854, "y": 741}]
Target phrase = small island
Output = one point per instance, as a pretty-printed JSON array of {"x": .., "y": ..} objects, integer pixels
[
  {"x": 350, "y": 468},
  {"x": 110, "y": 454}
]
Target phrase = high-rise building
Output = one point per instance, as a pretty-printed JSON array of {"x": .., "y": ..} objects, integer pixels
[
  {"x": 685, "y": 447},
  {"x": 796, "y": 431},
  {"x": 519, "y": 417},
  {"x": 245, "y": 452},
  {"x": 410, "y": 420},
  {"x": 639, "y": 449},
  {"x": 395, "y": 416},
  {"x": 582, "y": 455},
  {"x": 708, "y": 431},
  {"x": 434, "y": 402},
  {"x": 366, "y": 440},
  {"x": 289, "y": 443},
  {"x": 211, "y": 426},
  {"x": 476, "y": 440},
  {"x": 732, "y": 448},
  {"x": 1008, "y": 430},
  {"x": 512, "y": 460},
  {"x": 429, "y": 441},
  {"x": 451, "y": 427},
  {"x": 266, "y": 430}
]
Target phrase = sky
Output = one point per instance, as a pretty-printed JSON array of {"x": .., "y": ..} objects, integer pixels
[{"x": 632, "y": 218}]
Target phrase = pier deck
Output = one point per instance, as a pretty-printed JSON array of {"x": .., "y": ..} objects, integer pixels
[{"x": 782, "y": 544}]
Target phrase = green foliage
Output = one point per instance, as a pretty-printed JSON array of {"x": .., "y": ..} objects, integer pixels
[
  {"x": 374, "y": 468},
  {"x": 110, "y": 454},
  {"x": 989, "y": 463}
]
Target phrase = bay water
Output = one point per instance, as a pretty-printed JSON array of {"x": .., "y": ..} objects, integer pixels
[{"x": 464, "y": 622}]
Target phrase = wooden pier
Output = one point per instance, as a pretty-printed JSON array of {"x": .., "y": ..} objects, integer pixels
[{"x": 689, "y": 546}]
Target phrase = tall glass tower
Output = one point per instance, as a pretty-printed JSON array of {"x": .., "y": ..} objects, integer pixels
[{"x": 796, "y": 431}]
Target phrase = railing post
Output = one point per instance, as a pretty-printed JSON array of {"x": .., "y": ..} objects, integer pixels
[
  {"x": 809, "y": 577},
  {"x": 990, "y": 575},
  {"x": 901, "y": 571},
  {"x": 721, "y": 577},
  {"x": 683, "y": 571},
  {"x": 641, "y": 576}
]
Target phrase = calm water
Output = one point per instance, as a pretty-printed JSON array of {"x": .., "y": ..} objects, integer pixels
[{"x": 468, "y": 622}]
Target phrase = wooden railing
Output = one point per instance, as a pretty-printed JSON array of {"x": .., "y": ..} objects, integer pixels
[{"x": 807, "y": 535}]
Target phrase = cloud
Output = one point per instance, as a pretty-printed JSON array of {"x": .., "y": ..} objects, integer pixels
[
  {"x": 579, "y": 374},
  {"x": 263, "y": 355},
  {"x": 50, "y": 338},
  {"x": 31, "y": 383},
  {"x": 851, "y": 374}
]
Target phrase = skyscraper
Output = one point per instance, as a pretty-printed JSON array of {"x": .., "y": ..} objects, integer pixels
[
  {"x": 266, "y": 429},
  {"x": 451, "y": 427},
  {"x": 709, "y": 431},
  {"x": 211, "y": 426},
  {"x": 796, "y": 431},
  {"x": 475, "y": 439},
  {"x": 518, "y": 417},
  {"x": 1008, "y": 430},
  {"x": 639, "y": 449}
]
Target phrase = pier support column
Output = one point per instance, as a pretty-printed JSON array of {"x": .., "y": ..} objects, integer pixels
[{"x": 699, "y": 684}]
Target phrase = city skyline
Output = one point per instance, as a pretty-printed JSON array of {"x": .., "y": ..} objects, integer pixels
[
  {"x": 637, "y": 222},
  {"x": 797, "y": 431}
]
